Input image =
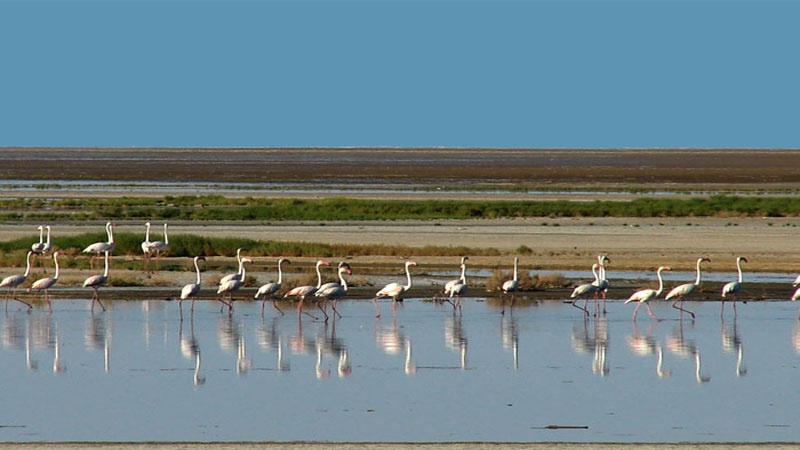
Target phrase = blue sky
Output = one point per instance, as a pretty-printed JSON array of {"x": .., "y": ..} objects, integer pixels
[{"x": 390, "y": 73}]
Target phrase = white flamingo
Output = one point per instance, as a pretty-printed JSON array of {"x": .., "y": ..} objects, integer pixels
[
  {"x": 232, "y": 286},
  {"x": 13, "y": 281},
  {"x": 38, "y": 247},
  {"x": 157, "y": 247},
  {"x": 48, "y": 246},
  {"x": 457, "y": 288},
  {"x": 191, "y": 290},
  {"x": 511, "y": 286},
  {"x": 449, "y": 284},
  {"x": 678, "y": 293},
  {"x": 269, "y": 289},
  {"x": 394, "y": 290},
  {"x": 602, "y": 281},
  {"x": 303, "y": 291},
  {"x": 333, "y": 284},
  {"x": 732, "y": 289},
  {"x": 643, "y": 296},
  {"x": 99, "y": 248},
  {"x": 333, "y": 292},
  {"x": 237, "y": 275},
  {"x": 44, "y": 284},
  {"x": 95, "y": 281},
  {"x": 586, "y": 290}
]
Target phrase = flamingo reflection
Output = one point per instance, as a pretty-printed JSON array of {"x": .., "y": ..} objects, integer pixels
[
  {"x": 269, "y": 338},
  {"x": 455, "y": 337},
  {"x": 685, "y": 349},
  {"x": 594, "y": 341},
  {"x": 732, "y": 341},
  {"x": 645, "y": 346},
  {"x": 394, "y": 342},
  {"x": 97, "y": 336},
  {"x": 190, "y": 349},
  {"x": 510, "y": 337},
  {"x": 335, "y": 347}
]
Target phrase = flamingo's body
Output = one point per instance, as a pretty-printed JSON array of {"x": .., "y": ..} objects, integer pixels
[
  {"x": 333, "y": 292},
  {"x": 146, "y": 242},
  {"x": 191, "y": 290},
  {"x": 38, "y": 247},
  {"x": 732, "y": 289},
  {"x": 99, "y": 248},
  {"x": 457, "y": 288},
  {"x": 645, "y": 295},
  {"x": 156, "y": 246},
  {"x": 678, "y": 293},
  {"x": 601, "y": 281},
  {"x": 511, "y": 286},
  {"x": 449, "y": 285},
  {"x": 237, "y": 275},
  {"x": 96, "y": 281},
  {"x": 229, "y": 287},
  {"x": 44, "y": 284},
  {"x": 13, "y": 281},
  {"x": 269, "y": 289},
  {"x": 584, "y": 291},
  {"x": 304, "y": 291},
  {"x": 394, "y": 290}
]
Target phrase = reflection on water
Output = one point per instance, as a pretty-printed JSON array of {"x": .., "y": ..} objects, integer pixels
[{"x": 171, "y": 382}]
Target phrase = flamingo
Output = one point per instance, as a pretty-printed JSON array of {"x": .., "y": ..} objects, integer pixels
[
  {"x": 44, "y": 284},
  {"x": 237, "y": 275},
  {"x": 157, "y": 246},
  {"x": 333, "y": 284},
  {"x": 333, "y": 292},
  {"x": 95, "y": 281},
  {"x": 303, "y": 291},
  {"x": 101, "y": 247},
  {"x": 232, "y": 286},
  {"x": 678, "y": 293},
  {"x": 269, "y": 289},
  {"x": 458, "y": 288},
  {"x": 38, "y": 247},
  {"x": 643, "y": 296},
  {"x": 732, "y": 288},
  {"x": 47, "y": 247},
  {"x": 450, "y": 283},
  {"x": 511, "y": 286},
  {"x": 394, "y": 290},
  {"x": 585, "y": 290},
  {"x": 13, "y": 281},
  {"x": 602, "y": 282},
  {"x": 191, "y": 290}
]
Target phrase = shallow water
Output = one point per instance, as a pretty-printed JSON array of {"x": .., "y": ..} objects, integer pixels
[{"x": 139, "y": 373}]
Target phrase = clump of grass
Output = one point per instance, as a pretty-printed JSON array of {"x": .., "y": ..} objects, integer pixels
[{"x": 526, "y": 282}]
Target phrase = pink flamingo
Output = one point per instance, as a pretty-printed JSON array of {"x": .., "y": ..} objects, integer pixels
[
  {"x": 394, "y": 290},
  {"x": 191, "y": 290},
  {"x": 13, "y": 281},
  {"x": 303, "y": 291},
  {"x": 732, "y": 288},
  {"x": 643, "y": 296},
  {"x": 269, "y": 289},
  {"x": 678, "y": 293},
  {"x": 95, "y": 281},
  {"x": 44, "y": 284}
]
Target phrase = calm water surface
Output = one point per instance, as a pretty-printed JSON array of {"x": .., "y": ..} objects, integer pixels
[{"x": 139, "y": 373}]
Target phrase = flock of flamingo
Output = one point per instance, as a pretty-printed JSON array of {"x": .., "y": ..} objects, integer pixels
[{"x": 333, "y": 291}]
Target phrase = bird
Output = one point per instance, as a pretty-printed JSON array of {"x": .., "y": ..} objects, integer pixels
[
  {"x": 232, "y": 286},
  {"x": 269, "y": 289},
  {"x": 511, "y": 286},
  {"x": 678, "y": 293},
  {"x": 146, "y": 242},
  {"x": 98, "y": 248},
  {"x": 191, "y": 290},
  {"x": 38, "y": 247},
  {"x": 333, "y": 292},
  {"x": 394, "y": 290},
  {"x": 13, "y": 281},
  {"x": 157, "y": 246},
  {"x": 457, "y": 288},
  {"x": 48, "y": 246},
  {"x": 237, "y": 275},
  {"x": 95, "y": 281},
  {"x": 333, "y": 284},
  {"x": 303, "y": 291},
  {"x": 732, "y": 288},
  {"x": 602, "y": 281},
  {"x": 643, "y": 296},
  {"x": 44, "y": 284},
  {"x": 586, "y": 290},
  {"x": 450, "y": 283}
]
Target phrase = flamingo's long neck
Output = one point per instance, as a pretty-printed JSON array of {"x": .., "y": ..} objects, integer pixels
[
  {"x": 739, "y": 268},
  {"x": 660, "y": 282},
  {"x": 41, "y": 235},
  {"x": 243, "y": 274},
  {"x": 28, "y": 264},
  {"x": 197, "y": 269},
  {"x": 241, "y": 269},
  {"x": 697, "y": 281},
  {"x": 110, "y": 231},
  {"x": 55, "y": 260},
  {"x": 408, "y": 277},
  {"x": 464, "y": 274},
  {"x": 594, "y": 272},
  {"x": 516, "y": 263},
  {"x": 147, "y": 233},
  {"x": 280, "y": 273},
  {"x": 342, "y": 280},
  {"x": 319, "y": 276},
  {"x": 105, "y": 272},
  {"x": 48, "y": 234},
  {"x": 166, "y": 238}
]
